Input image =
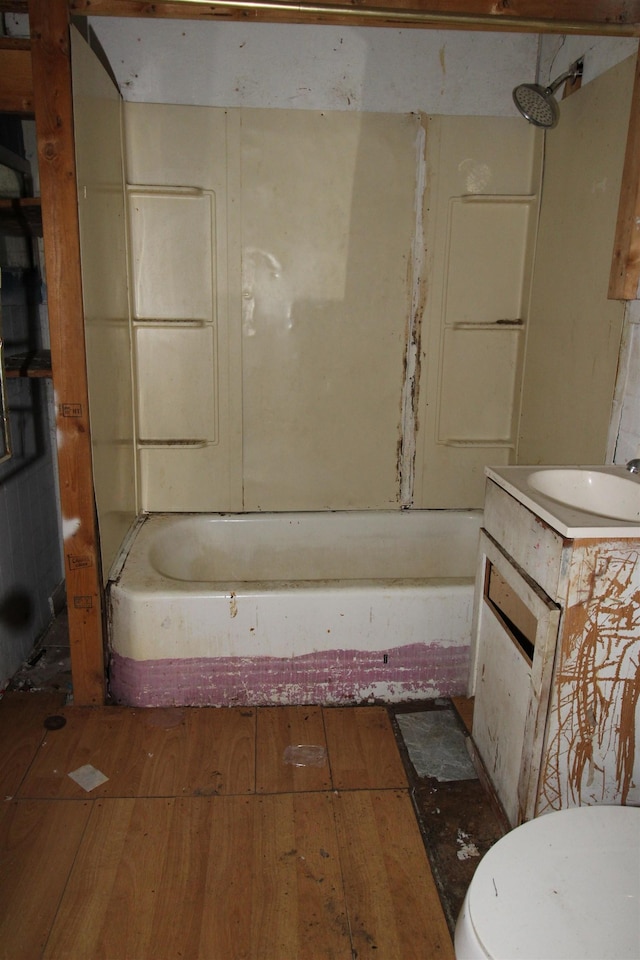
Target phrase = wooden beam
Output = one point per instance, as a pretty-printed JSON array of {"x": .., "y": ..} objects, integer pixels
[
  {"x": 625, "y": 268},
  {"x": 601, "y": 17},
  {"x": 16, "y": 81},
  {"x": 51, "y": 56}
]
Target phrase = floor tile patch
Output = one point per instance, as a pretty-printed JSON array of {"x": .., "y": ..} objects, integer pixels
[{"x": 436, "y": 745}]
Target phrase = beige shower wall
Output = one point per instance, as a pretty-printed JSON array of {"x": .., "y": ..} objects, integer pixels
[
  {"x": 272, "y": 270},
  {"x": 289, "y": 269},
  {"x": 574, "y": 339},
  {"x": 481, "y": 207},
  {"x": 102, "y": 215},
  {"x": 182, "y": 168},
  {"x": 328, "y": 217},
  {"x": 277, "y": 262}
]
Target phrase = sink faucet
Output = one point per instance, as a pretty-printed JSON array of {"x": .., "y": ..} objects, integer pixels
[{"x": 633, "y": 466}]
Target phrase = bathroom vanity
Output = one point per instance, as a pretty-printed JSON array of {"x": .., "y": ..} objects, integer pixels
[{"x": 556, "y": 638}]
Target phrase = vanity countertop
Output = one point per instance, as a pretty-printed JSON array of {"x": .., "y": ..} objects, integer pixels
[{"x": 571, "y": 522}]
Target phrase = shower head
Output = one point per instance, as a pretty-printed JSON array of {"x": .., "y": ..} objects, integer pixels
[{"x": 537, "y": 104}]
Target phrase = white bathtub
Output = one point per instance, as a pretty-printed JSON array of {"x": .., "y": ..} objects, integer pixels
[{"x": 328, "y": 608}]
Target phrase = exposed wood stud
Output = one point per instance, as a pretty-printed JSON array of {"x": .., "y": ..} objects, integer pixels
[
  {"x": 625, "y": 269},
  {"x": 49, "y": 22}
]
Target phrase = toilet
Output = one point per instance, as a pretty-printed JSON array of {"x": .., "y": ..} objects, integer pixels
[{"x": 565, "y": 886}]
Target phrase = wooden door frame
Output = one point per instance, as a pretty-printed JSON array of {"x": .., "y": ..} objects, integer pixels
[{"x": 53, "y": 106}]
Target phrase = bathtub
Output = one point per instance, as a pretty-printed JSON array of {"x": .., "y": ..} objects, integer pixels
[{"x": 293, "y": 608}]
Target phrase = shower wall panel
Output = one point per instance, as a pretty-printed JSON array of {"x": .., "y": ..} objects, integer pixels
[
  {"x": 102, "y": 218},
  {"x": 480, "y": 218},
  {"x": 271, "y": 254},
  {"x": 176, "y": 360},
  {"x": 184, "y": 249},
  {"x": 574, "y": 342},
  {"x": 328, "y": 217}
]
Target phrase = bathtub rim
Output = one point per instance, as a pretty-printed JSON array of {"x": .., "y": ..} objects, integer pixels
[{"x": 117, "y": 569}]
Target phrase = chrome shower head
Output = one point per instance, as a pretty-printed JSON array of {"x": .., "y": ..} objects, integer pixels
[{"x": 537, "y": 104}]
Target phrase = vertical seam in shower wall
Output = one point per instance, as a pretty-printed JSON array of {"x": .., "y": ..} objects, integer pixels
[
  {"x": 407, "y": 455},
  {"x": 129, "y": 277},
  {"x": 233, "y": 227}
]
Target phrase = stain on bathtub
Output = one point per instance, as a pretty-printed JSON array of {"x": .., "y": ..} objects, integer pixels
[{"x": 233, "y": 605}]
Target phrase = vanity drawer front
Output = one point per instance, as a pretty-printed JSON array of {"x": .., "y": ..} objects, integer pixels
[
  {"x": 534, "y": 545},
  {"x": 517, "y": 630}
]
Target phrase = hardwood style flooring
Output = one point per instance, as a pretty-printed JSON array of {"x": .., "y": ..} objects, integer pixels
[{"x": 203, "y": 842}]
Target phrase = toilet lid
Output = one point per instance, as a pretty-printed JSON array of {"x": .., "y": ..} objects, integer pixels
[{"x": 565, "y": 886}]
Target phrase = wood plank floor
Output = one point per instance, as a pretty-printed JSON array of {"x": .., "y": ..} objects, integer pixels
[{"x": 204, "y": 843}]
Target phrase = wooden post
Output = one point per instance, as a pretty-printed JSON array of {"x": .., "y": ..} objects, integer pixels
[
  {"x": 51, "y": 64},
  {"x": 625, "y": 268}
]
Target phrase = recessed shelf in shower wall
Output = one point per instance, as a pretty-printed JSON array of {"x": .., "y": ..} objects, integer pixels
[
  {"x": 174, "y": 314},
  {"x": 485, "y": 285}
]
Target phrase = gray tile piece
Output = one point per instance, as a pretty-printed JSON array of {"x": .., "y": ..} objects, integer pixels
[{"x": 436, "y": 745}]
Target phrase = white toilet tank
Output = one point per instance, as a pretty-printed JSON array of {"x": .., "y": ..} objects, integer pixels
[{"x": 565, "y": 886}]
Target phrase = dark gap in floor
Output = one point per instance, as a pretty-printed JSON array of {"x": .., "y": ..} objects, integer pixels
[{"x": 459, "y": 819}]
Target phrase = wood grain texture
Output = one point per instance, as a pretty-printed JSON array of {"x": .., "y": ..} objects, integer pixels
[
  {"x": 51, "y": 65},
  {"x": 16, "y": 81},
  {"x": 149, "y": 753},
  {"x": 390, "y": 894},
  {"x": 297, "y": 898},
  {"x": 614, "y": 17},
  {"x": 625, "y": 267},
  {"x": 22, "y": 719},
  {"x": 362, "y": 749},
  {"x": 224, "y": 878},
  {"x": 464, "y": 708},
  {"x": 38, "y": 843},
  {"x": 207, "y": 868},
  {"x": 279, "y": 728}
]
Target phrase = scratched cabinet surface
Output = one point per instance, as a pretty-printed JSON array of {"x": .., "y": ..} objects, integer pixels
[
  {"x": 592, "y": 754},
  {"x": 559, "y": 716}
]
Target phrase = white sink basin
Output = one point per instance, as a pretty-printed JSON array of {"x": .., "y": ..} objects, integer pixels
[
  {"x": 579, "y": 502},
  {"x": 604, "y": 494}
]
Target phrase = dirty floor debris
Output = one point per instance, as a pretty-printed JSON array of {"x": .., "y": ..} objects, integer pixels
[
  {"x": 49, "y": 665},
  {"x": 366, "y": 855},
  {"x": 458, "y": 818}
]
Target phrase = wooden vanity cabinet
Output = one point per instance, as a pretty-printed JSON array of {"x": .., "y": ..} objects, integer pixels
[{"x": 555, "y": 663}]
